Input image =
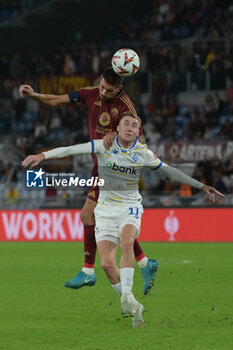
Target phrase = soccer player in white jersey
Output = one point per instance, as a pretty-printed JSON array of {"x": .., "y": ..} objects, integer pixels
[{"x": 119, "y": 210}]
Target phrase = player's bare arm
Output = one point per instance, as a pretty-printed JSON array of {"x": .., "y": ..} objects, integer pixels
[{"x": 47, "y": 99}]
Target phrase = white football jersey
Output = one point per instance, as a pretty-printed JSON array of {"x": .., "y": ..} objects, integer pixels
[{"x": 120, "y": 168}]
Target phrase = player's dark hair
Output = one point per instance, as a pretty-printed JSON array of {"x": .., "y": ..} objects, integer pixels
[
  {"x": 111, "y": 77},
  {"x": 130, "y": 114}
]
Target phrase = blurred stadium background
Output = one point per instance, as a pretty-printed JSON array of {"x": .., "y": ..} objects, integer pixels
[
  {"x": 184, "y": 94},
  {"x": 183, "y": 90}
]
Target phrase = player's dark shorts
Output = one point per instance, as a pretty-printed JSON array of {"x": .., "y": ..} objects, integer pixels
[{"x": 93, "y": 192}]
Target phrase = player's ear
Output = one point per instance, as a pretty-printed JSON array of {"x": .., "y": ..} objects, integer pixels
[{"x": 117, "y": 128}]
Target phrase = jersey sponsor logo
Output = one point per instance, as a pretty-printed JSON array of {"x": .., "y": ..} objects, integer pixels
[
  {"x": 102, "y": 130},
  {"x": 121, "y": 169},
  {"x": 104, "y": 119}
]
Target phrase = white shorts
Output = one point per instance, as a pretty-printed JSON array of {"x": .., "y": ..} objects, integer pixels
[{"x": 110, "y": 220}]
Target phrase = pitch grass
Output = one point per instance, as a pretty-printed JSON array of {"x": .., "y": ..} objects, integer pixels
[{"x": 189, "y": 308}]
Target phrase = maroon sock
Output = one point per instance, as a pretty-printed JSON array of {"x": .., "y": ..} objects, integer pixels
[
  {"x": 138, "y": 251},
  {"x": 89, "y": 246}
]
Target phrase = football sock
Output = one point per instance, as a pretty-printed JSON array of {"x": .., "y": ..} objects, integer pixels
[
  {"x": 143, "y": 262},
  {"x": 117, "y": 288},
  {"x": 138, "y": 252},
  {"x": 88, "y": 271},
  {"x": 89, "y": 246},
  {"x": 126, "y": 274}
]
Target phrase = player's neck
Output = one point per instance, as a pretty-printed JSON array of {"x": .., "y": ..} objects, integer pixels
[{"x": 124, "y": 144}]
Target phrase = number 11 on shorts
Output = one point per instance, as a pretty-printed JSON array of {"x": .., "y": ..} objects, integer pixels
[{"x": 134, "y": 211}]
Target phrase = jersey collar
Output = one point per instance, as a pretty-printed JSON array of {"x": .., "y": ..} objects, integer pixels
[{"x": 126, "y": 149}]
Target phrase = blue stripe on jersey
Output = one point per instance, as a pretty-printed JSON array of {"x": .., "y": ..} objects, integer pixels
[
  {"x": 134, "y": 144},
  {"x": 158, "y": 166},
  {"x": 74, "y": 97},
  {"x": 118, "y": 142},
  {"x": 92, "y": 146},
  {"x": 127, "y": 148}
]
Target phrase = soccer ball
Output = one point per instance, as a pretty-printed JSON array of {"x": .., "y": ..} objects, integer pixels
[{"x": 125, "y": 62}]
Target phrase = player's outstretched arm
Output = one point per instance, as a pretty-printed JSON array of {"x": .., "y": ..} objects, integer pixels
[
  {"x": 177, "y": 175},
  {"x": 61, "y": 152},
  {"x": 47, "y": 99},
  {"x": 33, "y": 160}
]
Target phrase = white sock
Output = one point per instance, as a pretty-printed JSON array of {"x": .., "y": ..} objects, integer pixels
[
  {"x": 88, "y": 270},
  {"x": 126, "y": 274},
  {"x": 143, "y": 262},
  {"x": 117, "y": 288}
]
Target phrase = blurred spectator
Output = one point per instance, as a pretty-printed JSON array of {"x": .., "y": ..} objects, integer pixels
[
  {"x": 4, "y": 67},
  {"x": 15, "y": 65},
  {"x": 40, "y": 134},
  {"x": 69, "y": 65},
  {"x": 218, "y": 181},
  {"x": 12, "y": 195},
  {"x": 21, "y": 143},
  {"x": 229, "y": 96}
]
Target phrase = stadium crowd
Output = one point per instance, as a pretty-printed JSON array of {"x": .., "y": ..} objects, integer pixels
[
  {"x": 10, "y": 9},
  {"x": 201, "y": 61}
]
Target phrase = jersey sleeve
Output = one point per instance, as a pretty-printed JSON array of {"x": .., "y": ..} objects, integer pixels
[
  {"x": 60, "y": 152},
  {"x": 94, "y": 146},
  {"x": 177, "y": 175},
  {"x": 74, "y": 97},
  {"x": 97, "y": 146},
  {"x": 81, "y": 95},
  {"x": 151, "y": 161}
]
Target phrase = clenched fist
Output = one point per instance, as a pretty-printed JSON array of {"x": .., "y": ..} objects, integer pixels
[{"x": 26, "y": 90}]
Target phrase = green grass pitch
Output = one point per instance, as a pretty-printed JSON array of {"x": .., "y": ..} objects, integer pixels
[{"x": 189, "y": 308}]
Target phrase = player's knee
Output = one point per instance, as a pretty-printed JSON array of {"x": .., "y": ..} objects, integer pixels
[{"x": 126, "y": 245}]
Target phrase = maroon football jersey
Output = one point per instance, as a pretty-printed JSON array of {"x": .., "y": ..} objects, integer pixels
[{"x": 103, "y": 116}]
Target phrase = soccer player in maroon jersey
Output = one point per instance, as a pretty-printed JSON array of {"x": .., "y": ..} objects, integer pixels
[{"x": 106, "y": 102}]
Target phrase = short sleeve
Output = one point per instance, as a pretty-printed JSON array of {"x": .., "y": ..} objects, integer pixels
[
  {"x": 151, "y": 160},
  {"x": 81, "y": 95},
  {"x": 86, "y": 94}
]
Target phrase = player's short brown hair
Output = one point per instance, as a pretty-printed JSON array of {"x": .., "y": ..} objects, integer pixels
[
  {"x": 111, "y": 77},
  {"x": 130, "y": 114}
]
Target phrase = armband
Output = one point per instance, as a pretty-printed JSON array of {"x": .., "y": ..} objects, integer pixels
[{"x": 74, "y": 97}]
